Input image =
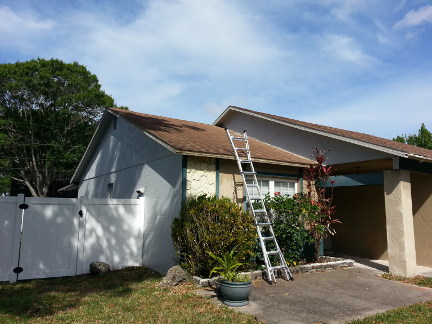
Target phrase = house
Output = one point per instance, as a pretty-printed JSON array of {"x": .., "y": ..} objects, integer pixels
[
  {"x": 163, "y": 161},
  {"x": 382, "y": 193},
  {"x": 383, "y": 188}
]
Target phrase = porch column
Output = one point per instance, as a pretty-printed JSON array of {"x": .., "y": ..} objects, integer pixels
[{"x": 399, "y": 223}]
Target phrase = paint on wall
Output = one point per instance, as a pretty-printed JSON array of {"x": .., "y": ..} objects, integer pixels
[
  {"x": 362, "y": 231},
  {"x": 421, "y": 192}
]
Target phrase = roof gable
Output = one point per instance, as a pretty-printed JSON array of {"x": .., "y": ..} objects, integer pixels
[{"x": 370, "y": 141}]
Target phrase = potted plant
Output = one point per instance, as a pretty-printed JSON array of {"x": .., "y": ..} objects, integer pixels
[{"x": 234, "y": 287}]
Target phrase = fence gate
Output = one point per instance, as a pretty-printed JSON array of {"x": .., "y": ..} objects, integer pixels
[{"x": 49, "y": 238}]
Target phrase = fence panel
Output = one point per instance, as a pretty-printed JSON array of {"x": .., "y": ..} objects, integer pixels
[
  {"x": 50, "y": 238},
  {"x": 8, "y": 221},
  {"x": 113, "y": 232}
]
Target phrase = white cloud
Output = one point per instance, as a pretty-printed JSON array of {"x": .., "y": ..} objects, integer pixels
[
  {"x": 22, "y": 30},
  {"x": 345, "y": 48},
  {"x": 172, "y": 48},
  {"x": 415, "y": 18},
  {"x": 344, "y": 9}
]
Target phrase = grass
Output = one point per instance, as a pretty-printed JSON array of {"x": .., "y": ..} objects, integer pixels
[
  {"x": 420, "y": 313},
  {"x": 129, "y": 295},
  {"x": 418, "y": 280}
]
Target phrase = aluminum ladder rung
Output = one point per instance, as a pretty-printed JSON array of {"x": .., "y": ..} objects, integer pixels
[
  {"x": 268, "y": 238},
  {"x": 262, "y": 222},
  {"x": 248, "y": 172},
  {"x": 273, "y": 252},
  {"x": 255, "y": 197}
]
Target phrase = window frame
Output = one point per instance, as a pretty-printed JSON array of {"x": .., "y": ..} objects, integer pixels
[{"x": 272, "y": 180}]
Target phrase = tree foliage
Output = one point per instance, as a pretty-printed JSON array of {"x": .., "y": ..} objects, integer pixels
[
  {"x": 422, "y": 139},
  {"x": 48, "y": 113}
]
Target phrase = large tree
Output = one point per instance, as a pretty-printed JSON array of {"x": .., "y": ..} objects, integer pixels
[
  {"x": 422, "y": 139},
  {"x": 48, "y": 113}
]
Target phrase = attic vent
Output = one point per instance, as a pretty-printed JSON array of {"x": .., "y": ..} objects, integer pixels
[{"x": 115, "y": 123}]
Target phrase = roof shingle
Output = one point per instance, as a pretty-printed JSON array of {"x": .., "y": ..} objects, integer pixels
[{"x": 186, "y": 137}]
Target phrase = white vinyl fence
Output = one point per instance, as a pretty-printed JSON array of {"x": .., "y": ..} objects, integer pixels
[{"x": 55, "y": 237}]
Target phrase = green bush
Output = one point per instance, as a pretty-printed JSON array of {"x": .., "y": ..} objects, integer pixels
[
  {"x": 290, "y": 217},
  {"x": 209, "y": 224}
]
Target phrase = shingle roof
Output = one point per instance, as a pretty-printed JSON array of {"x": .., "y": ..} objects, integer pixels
[
  {"x": 406, "y": 149},
  {"x": 190, "y": 138}
]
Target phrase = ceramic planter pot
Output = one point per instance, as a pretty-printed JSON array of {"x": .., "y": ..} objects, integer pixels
[{"x": 235, "y": 293}]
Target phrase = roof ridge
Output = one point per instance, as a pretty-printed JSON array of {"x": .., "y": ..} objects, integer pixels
[{"x": 163, "y": 117}]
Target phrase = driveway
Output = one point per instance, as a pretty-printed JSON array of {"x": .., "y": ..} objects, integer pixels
[{"x": 334, "y": 296}]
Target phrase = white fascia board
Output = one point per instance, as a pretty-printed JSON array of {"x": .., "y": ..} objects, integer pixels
[
  {"x": 222, "y": 115},
  {"x": 103, "y": 124},
  {"x": 390, "y": 151}
]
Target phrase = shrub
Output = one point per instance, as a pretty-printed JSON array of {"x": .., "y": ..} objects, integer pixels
[
  {"x": 289, "y": 216},
  {"x": 209, "y": 224}
]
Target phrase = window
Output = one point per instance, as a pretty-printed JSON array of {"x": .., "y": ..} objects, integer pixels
[{"x": 277, "y": 185}]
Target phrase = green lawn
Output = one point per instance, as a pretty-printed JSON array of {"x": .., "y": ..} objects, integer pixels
[
  {"x": 420, "y": 313},
  {"x": 129, "y": 295}
]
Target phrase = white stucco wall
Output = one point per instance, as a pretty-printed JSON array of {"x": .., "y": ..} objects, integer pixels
[
  {"x": 201, "y": 176},
  {"x": 129, "y": 159},
  {"x": 298, "y": 141}
]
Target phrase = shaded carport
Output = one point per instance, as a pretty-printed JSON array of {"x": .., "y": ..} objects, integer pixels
[{"x": 385, "y": 207}]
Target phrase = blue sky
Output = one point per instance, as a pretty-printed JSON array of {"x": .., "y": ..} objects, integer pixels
[{"x": 363, "y": 65}]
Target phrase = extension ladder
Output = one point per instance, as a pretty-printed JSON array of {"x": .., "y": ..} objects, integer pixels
[{"x": 273, "y": 257}]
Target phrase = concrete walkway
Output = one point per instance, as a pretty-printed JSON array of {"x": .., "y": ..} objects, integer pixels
[
  {"x": 383, "y": 265},
  {"x": 332, "y": 297}
]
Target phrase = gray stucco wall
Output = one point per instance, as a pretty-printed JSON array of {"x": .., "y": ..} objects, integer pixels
[
  {"x": 129, "y": 159},
  {"x": 299, "y": 141}
]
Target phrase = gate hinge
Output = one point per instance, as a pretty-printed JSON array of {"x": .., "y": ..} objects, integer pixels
[{"x": 23, "y": 206}]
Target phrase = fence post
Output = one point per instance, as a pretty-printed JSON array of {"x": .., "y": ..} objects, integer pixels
[
  {"x": 142, "y": 214},
  {"x": 19, "y": 217}
]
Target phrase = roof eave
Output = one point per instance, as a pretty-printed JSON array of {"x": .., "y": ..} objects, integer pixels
[{"x": 229, "y": 157}]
